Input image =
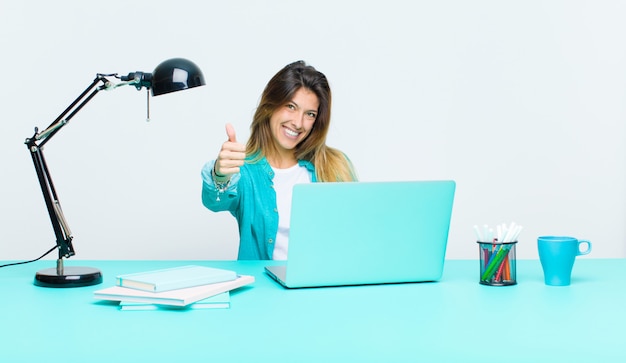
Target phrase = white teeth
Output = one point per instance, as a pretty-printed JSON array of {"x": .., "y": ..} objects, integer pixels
[{"x": 291, "y": 133}]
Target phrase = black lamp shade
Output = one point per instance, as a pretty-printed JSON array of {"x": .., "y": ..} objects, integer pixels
[{"x": 174, "y": 75}]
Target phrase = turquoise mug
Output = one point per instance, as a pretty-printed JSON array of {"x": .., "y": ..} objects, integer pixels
[{"x": 557, "y": 255}]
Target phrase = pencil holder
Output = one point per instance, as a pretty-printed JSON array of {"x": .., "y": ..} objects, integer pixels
[{"x": 497, "y": 263}]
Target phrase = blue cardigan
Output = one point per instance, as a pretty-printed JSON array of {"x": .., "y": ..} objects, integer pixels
[{"x": 251, "y": 199}]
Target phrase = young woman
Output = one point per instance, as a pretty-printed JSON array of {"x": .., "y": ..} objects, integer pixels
[{"x": 287, "y": 146}]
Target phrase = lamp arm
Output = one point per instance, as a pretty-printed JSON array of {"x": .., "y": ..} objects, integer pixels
[
  {"x": 72, "y": 109},
  {"x": 35, "y": 147},
  {"x": 61, "y": 230}
]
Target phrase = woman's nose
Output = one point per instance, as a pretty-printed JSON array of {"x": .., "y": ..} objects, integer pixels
[{"x": 298, "y": 120}]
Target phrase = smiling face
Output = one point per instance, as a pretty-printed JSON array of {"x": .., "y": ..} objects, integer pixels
[{"x": 291, "y": 123}]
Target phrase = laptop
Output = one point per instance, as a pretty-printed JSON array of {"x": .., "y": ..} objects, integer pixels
[{"x": 359, "y": 233}]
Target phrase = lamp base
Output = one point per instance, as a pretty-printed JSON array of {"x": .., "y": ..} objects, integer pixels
[{"x": 72, "y": 276}]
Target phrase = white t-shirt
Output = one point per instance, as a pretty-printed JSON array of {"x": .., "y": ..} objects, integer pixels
[{"x": 284, "y": 180}]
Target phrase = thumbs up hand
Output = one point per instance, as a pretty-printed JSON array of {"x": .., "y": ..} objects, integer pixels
[{"x": 231, "y": 156}]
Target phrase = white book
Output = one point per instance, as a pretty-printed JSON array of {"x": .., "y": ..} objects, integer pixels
[
  {"x": 179, "y": 297},
  {"x": 220, "y": 301}
]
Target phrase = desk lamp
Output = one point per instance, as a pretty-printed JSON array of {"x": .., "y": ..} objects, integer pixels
[{"x": 171, "y": 75}]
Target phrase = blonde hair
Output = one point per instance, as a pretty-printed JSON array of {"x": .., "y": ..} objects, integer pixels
[{"x": 330, "y": 164}]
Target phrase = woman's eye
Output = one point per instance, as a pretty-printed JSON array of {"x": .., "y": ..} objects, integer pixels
[
  {"x": 312, "y": 115},
  {"x": 291, "y": 107}
]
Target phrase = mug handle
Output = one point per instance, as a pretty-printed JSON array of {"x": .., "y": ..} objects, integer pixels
[{"x": 586, "y": 250}]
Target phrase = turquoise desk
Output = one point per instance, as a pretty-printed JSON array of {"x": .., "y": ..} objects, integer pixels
[{"x": 454, "y": 320}]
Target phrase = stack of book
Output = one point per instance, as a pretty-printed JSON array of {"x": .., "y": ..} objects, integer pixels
[{"x": 185, "y": 287}]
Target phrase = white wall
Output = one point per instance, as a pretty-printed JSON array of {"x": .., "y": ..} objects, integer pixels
[{"x": 520, "y": 102}]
